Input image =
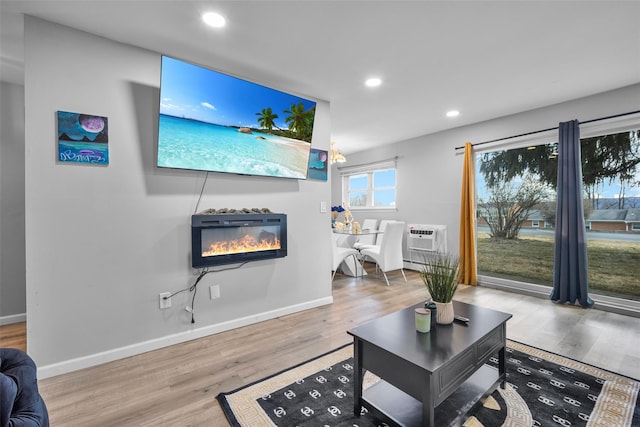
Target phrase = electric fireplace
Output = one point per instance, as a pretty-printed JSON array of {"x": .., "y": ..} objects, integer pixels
[{"x": 233, "y": 238}]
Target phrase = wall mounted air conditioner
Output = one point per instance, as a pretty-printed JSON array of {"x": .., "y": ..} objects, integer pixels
[{"x": 426, "y": 238}]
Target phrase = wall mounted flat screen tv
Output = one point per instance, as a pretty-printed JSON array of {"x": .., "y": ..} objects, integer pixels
[{"x": 215, "y": 122}]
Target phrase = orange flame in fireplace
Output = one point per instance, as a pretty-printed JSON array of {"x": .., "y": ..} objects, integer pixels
[{"x": 245, "y": 244}]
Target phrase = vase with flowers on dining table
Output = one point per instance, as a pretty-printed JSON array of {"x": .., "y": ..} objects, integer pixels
[{"x": 335, "y": 214}]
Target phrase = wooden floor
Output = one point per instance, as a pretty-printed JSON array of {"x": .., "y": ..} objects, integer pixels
[
  {"x": 14, "y": 335},
  {"x": 177, "y": 386}
]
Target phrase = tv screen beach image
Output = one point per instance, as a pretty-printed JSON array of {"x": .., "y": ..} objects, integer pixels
[{"x": 211, "y": 121}]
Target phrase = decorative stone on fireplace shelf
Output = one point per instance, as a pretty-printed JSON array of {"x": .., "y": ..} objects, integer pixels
[{"x": 232, "y": 211}]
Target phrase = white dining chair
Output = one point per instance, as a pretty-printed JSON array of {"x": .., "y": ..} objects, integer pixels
[
  {"x": 341, "y": 253},
  {"x": 366, "y": 239},
  {"x": 388, "y": 255},
  {"x": 382, "y": 228},
  {"x": 378, "y": 239}
]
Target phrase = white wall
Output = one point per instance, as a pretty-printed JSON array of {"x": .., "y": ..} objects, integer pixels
[
  {"x": 12, "y": 262},
  {"x": 103, "y": 242},
  {"x": 429, "y": 170}
]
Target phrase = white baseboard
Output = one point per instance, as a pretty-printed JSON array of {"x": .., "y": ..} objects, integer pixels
[
  {"x": 410, "y": 265},
  {"x": 13, "y": 318},
  {"x": 145, "y": 346}
]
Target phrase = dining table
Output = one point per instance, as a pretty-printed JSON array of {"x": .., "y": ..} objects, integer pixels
[{"x": 346, "y": 239}]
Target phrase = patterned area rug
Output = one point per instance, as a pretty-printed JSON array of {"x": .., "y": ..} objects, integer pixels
[{"x": 543, "y": 389}]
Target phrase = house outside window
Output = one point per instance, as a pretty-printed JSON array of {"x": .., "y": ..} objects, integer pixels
[{"x": 369, "y": 187}]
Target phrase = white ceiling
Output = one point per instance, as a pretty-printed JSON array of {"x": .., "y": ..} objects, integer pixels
[{"x": 486, "y": 59}]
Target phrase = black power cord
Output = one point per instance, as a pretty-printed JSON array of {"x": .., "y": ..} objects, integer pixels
[
  {"x": 201, "y": 191},
  {"x": 194, "y": 288}
]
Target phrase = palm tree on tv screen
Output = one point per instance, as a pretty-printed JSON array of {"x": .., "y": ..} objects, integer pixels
[
  {"x": 297, "y": 119},
  {"x": 267, "y": 118}
]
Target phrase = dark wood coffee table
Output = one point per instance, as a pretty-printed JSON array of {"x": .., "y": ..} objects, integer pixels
[{"x": 431, "y": 379}]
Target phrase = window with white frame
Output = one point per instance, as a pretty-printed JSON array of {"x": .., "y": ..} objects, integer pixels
[{"x": 371, "y": 186}]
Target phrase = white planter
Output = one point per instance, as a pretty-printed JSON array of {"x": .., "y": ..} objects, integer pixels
[{"x": 444, "y": 313}]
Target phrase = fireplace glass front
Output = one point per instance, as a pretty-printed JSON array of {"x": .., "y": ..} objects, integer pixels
[{"x": 227, "y": 239}]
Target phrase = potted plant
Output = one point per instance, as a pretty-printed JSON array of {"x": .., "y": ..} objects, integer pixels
[{"x": 440, "y": 276}]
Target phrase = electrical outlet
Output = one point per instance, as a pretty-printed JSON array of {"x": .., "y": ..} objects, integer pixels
[
  {"x": 165, "y": 303},
  {"x": 214, "y": 291}
]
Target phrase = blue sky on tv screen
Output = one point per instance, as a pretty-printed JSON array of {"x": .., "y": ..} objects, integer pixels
[{"x": 194, "y": 92}]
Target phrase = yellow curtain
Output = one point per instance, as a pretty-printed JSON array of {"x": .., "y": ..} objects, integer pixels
[{"x": 468, "y": 274}]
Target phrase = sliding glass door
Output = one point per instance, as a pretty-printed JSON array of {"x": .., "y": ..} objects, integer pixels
[
  {"x": 516, "y": 213},
  {"x": 611, "y": 176},
  {"x": 516, "y": 210}
]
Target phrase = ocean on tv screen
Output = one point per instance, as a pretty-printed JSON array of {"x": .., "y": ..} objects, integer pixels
[{"x": 191, "y": 144}]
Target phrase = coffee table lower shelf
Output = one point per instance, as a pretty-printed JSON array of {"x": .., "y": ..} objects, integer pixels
[{"x": 399, "y": 408}]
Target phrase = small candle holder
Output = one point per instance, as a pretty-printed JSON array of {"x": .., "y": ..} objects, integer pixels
[{"x": 423, "y": 320}]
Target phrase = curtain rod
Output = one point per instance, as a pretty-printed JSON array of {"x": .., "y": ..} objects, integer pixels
[{"x": 553, "y": 128}]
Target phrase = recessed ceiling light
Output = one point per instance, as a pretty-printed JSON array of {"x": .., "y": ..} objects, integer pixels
[
  {"x": 373, "y": 82},
  {"x": 214, "y": 19},
  {"x": 453, "y": 113}
]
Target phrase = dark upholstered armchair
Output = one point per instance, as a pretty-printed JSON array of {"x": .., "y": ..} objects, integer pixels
[{"x": 20, "y": 402}]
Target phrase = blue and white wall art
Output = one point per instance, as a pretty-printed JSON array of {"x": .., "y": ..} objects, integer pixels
[{"x": 83, "y": 138}]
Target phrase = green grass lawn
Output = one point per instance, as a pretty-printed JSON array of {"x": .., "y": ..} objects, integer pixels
[{"x": 614, "y": 267}]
